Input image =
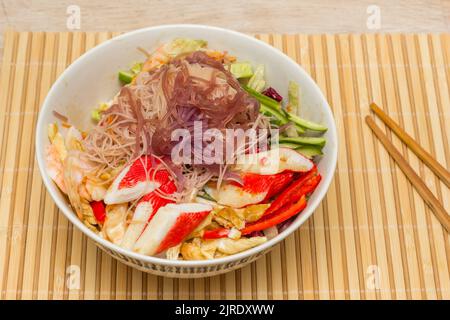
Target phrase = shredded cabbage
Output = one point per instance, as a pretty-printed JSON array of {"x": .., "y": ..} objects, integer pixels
[
  {"x": 241, "y": 70},
  {"x": 257, "y": 81},
  {"x": 293, "y": 95},
  {"x": 184, "y": 45}
]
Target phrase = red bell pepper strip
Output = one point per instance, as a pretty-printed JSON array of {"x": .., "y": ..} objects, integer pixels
[
  {"x": 276, "y": 219},
  {"x": 98, "y": 207},
  {"x": 260, "y": 224},
  {"x": 282, "y": 214},
  {"x": 291, "y": 194},
  {"x": 307, "y": 188},
  {"x": 216, "y": 233}
]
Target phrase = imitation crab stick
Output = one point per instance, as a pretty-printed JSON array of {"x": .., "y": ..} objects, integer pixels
[
  {"x": 98, "y": 208},
  {"x": 171, "y": 225},
  {"x": 254, "y": 189},
  {"x": 146, "y": 208},
  {"x": 136, "y": 180}
]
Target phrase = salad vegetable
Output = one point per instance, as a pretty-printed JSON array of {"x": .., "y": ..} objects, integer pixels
[
  {"x": 272, "y": 93},
  {"x": 257, "y": 82},
  {"x": 306, "y": 124},
  {"x": 126, "y": 76},
  {"x": 241, "y": 70},
  {"x": 129, "y": 180},
  {"x": 293, "y": 95}
]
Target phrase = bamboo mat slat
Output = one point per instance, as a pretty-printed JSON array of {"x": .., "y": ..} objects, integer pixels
[{"x": 372, "y": 237}]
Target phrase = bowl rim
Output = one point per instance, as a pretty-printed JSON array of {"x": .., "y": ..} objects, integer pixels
[{"x": 73, "y": 218}]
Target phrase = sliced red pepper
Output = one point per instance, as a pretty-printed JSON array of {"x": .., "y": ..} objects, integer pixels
[
  {"x": 307, "y": 188},
  {"x": 216, "y": 233},
  {"x": 276, "y": 219},
  {"x": 261, "y": 224},
  {"x": 279, "y": 182},
  {"x": 98, "y": 207},
  {"x": 291, "y": 194}
]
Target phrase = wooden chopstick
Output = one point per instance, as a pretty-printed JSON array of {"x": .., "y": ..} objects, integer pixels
[
  {"x": 435, "y": 166},
  {"x": 415, "y": 180}
]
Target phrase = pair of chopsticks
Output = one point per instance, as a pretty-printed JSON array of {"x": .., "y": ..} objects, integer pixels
[{"x": 415, "y": 180}]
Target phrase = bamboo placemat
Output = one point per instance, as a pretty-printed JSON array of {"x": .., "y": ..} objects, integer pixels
[{"x": 372, "y": 237}]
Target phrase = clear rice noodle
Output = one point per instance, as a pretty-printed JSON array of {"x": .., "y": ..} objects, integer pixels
[{"x": 190, "y": 88}]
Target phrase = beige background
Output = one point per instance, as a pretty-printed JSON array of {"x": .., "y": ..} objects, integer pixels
[{"x": 286, "y": 16}]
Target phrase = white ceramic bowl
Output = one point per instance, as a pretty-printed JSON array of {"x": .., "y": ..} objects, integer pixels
[{"x": 92, "y": 79}]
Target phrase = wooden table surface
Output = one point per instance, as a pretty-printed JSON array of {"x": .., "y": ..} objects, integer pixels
[
  {"x": 251, "y": 16},
  {"x": 372, "y": 237},
  {"x": 331, "y": 255}
]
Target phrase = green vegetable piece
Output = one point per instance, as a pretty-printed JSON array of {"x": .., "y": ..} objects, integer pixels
[
  {"x": 257, "y": 81},
  {"x": 309, "y": 151},
  {"x": 293, "y": 92},
  {"x": 184, "y": 45},
  {"x": 269, "y": 102},
  {"x": 289, "y": 145},
  {"x": 241, "y": 70},
  {"x": 126, "y": 77},
  {"x": 279, "y": 116},
  {"x": 96, "y": 113},
  {"x": 314, "y": 141},
  {"x": 306, "y": 124},
  {"x": 292, "y": 132},
  {"x": 136, "y": 68},
  {"x": 299, "y": 129}
]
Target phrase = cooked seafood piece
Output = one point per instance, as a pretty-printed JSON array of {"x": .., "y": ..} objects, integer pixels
[
  {"x": 274, "y": 161},
  {"x": 124, "y": 179},
  {"x": 56, "y": 153},
  {"x": 255, "y": 188},
  {"x": 55, "y": 166},
  {"x": 171, "y": 225},
  {"x": 230, "y": 246},
  {"x": 264, "y": 175},
  {"x": 145, "y": 210},
  {"x": 115, "y": 222},
  {"x": 136, "y": 180}
]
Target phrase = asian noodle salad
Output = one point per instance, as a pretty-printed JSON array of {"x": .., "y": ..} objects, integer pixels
[{"x": 196, "y": 157}]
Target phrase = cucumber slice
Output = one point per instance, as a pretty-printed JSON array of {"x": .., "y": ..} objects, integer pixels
[
  {"x": 309, "y": 151},
  {"x": 310, "y": 141},
  {"x": 241, "y": 70},
  {"x": 289, "y": 145},
  {"x": 262, "y": 98},
  {"x": 306, "y": 124},
  {"x": 136, "y": 68},
  {"x": 293, "y": 96},
  {"x": 279, "y": 116},
  {"x": 299, "y": 129},
  {"x": 125, "y": 77},
  {"x": 257, "y": 82}
]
